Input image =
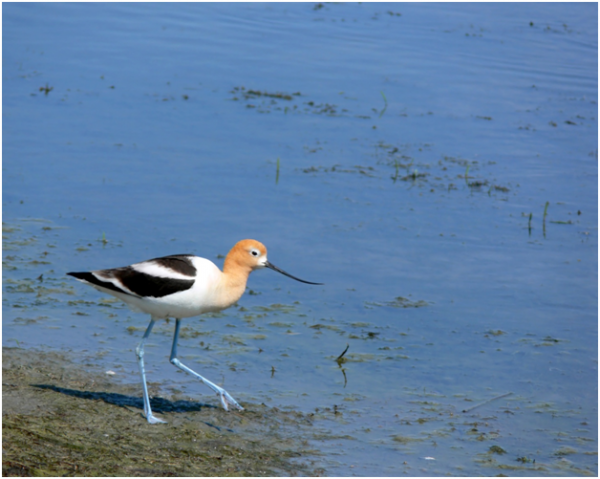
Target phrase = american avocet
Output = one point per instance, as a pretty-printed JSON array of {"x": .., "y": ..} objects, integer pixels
[{"x": 181, "y": 286}]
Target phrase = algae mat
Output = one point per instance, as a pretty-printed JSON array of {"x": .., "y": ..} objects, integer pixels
[{"x": 60, "y": 420}]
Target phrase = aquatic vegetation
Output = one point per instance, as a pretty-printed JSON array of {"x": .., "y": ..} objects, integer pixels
[
  {"x": 385, "y": 106},
  {"x": 496, "y": 450},
  {"x": 405, "y": 440},
  {"x": 46, "y": 89},
  {"x": 398, "y": 302}
]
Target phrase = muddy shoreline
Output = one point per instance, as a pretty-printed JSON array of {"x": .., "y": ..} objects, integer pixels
[{"x": 60, "y": 420}]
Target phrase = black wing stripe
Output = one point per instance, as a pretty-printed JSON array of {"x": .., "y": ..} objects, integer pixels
[
  {"x": 90, "y": 278},
  {"x": 180, "y": 263},
  {"x": 147, "y": 285}
]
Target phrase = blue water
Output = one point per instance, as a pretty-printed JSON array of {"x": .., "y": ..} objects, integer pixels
[{"x": 130, "y": 131}]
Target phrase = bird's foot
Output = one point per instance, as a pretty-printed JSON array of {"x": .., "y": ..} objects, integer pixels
[
  {"x": 152, "y": 419},
  {"x": 227, "y": 400}
]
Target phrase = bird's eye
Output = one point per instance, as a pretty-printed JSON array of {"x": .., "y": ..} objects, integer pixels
[{"x": 254, "y": 252}]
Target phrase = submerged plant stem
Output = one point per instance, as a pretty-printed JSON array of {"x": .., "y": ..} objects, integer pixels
[
  {"x": 486, "y": 402},
  {"x": 339, "y": 358}
]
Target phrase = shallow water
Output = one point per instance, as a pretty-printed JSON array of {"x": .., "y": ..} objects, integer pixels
[{"x": 435, "y": 165}]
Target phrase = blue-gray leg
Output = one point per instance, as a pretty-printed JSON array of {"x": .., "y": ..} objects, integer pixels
[
  {"x": 139, "y": 351},
  {"x": 226, "y": 399}
]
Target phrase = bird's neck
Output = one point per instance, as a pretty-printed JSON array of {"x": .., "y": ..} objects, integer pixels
[{"x": 231, "y": 287}]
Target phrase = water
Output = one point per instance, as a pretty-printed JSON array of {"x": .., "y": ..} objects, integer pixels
[{"x": 413, "y": 141}]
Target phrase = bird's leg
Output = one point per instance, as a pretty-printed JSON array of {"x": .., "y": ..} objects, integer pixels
[
  {"x": 139, "y": 351},
  {"x": 226, "y": 399}
]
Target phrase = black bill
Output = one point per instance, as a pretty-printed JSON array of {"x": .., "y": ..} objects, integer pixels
[{"x": 275, "y": 268}]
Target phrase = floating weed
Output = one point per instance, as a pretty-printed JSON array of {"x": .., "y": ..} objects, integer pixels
[
  {"x": 497, "y": 332},
  {"x": 18, "y": 243},
  {"x": 9, "y": 229},
  {"x": 458, "y": 161},
  {"x": 276, "y": 308},
  {"x": 280, "y": 324},
  {"x": 423, "y": 402},
  {"x": 36, "y": 262},
  {"x": 359, "y": 357},
  {"x": 565, "y": 451},
  {"x": 363, "y": 170},
  {"x": 258, "y": 336},
  {"x": 234, "y": 340},
  {"x": 258, "y": 93},
  {"x": 405, "y": 439},
  {"x": 387, "y": 348},
  {"x": 360, "y": 325},
  {"x": 477, "y": 184},
  {"x": 549, "y": 341},
  {"x": 351, "y": 397},
  {"x": 43, "y": 291},
  {"x": 109, "y": 301},
  {"x": 46, "y": 89},
  {"x": 324, "y": 326},
  {"x": 267, "y": 102},
  {"x": 322, "y": 108},
  {"x": 398, "y": 302},
  {"x": 399, "y": 356},
  {"x": 564, "y": 464},
  {"x": 496, "y": 450},
  {"x": 26, "y": 321},
  {"x": 525, "y": 460},
  {"x": 24, "y": 286},
  {"x": 82, "y": 302},
  {"x": 414, "y": 176},
  {"x": 196, "y": 334},
  {"x": 545, "y": 407},
  {"x": 569, "y": 222},
  {"x": 252, "y": 317}
]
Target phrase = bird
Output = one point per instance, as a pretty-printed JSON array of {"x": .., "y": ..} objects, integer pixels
[{"x": 182, "y": 286}]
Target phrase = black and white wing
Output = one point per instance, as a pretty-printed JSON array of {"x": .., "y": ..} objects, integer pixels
[{"x": 154, "y": 278}]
